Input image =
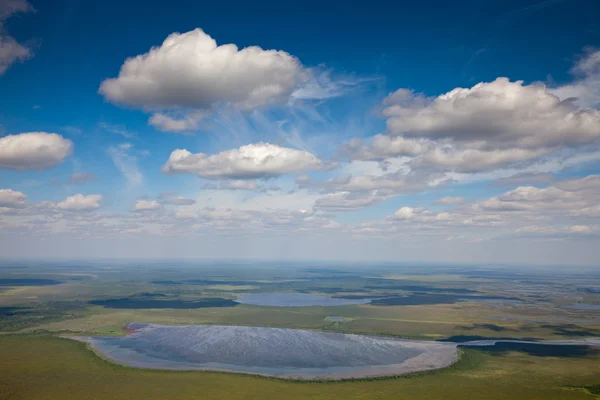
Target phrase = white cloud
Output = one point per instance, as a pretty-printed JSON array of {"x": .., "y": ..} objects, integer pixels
[
  {"x": 474, "y": 160},
  {"x": 189, "y": 70},
  {"x": 586, "y": 87},
  {"x": 496, "y": 115},
  {"x": 186, "y": 213},
  {"x": 573, "y": 197},
  {"x": 33, "y": 150},
  {"x": 420, "y": 214},
  {"x": 235, "y": 185},
  {"x": 80, "y": 202},
  {"x": 166, "y": 123},
  {"x": 348, "y": 201},
  {"x": 146, "y": 205},
  {"x": 580, "y": 229},
  {"x": 382, "y": 147},
  {"x": 538, "y": 229},
  {"x": 179, "y": 201},
  {"x": 126, "y": 163},
  {"x": 260, "y": 160},
  {"x": 449, "y": 200},
  {"x": 12, "y": 51},
  {"x": 12, "y": 199},
  {"x": 10, "y": 7},
  {"x": 80, "y": 178},
  {"x": 524, "y": 178}
]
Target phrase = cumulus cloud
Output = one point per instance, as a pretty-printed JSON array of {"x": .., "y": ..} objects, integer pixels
[
  {"x": 12, "y": 199},
  {"x": 383, "y": 146},
  {"x": 190, "y": 71},
  {"x": 33, "y": 150},
  {"x": 146, "y": 205},
  {"x": 260, "y": 160},
  {"x": 166, "y": 123},
  {"x": 586, "y": 87},
  {"x": 496, "y": 115},
  {"x": 420, "y": 214},
  {"x": 12, "y": 51},
  {"x": 80, "y": 202},
  {"x": 573, "y": 197}
]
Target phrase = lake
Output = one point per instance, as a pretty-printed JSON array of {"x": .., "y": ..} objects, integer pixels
[
  {"x": 299, "y": 354},
  {"x": 284, "y": 353}
]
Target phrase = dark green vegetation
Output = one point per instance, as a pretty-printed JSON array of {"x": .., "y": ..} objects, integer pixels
[
  {"x": 541, "y": 350},
  {"x": 16, "y": 318},
  {"x": 417, "y": 288},
  {"x": 28, "y": 282},
  {"x": 133, "y": 303}
]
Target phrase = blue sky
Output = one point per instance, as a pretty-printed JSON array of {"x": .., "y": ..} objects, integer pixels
[{"x": 426, "y": 131}]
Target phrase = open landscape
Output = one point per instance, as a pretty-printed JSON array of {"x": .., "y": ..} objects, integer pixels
[
  {"x": 315, "y": 200},
  {"x": 434, "y": 324}
]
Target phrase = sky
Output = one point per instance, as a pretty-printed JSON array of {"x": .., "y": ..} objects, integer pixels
[{"x": 431, "y": 131}]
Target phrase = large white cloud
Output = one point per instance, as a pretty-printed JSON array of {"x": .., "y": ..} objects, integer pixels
[
  {"x": 260, "y": 160},
  {"x": 33, "y": 150},
  {"x": 80, "y": 202},
  {"x": 496, "y": 115},
  {"x": 189, "y": 70},
  {"x": 12, "y": 199},
  {"x": 12, "y": 51}
]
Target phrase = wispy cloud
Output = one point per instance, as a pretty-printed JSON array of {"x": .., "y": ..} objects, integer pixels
[{"x": 126, "y": 163}]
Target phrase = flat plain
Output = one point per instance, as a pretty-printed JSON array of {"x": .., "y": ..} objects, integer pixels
[{"x": 39, "y": 303}]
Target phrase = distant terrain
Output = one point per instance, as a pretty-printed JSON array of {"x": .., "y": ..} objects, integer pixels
[{"x": 40, "y": 303}]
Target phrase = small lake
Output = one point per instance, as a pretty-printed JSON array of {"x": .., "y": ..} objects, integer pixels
[{"x": 297, "y": 300}]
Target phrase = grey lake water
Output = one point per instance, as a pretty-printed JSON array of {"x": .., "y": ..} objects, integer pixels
[{"x": 283, "y": 353}]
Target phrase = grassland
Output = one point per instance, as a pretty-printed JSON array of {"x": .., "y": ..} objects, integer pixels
[
  {"x": 48, "y": 368},
  {"x": 43, "y": 366}
]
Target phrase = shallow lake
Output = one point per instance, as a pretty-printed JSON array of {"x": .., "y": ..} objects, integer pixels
[
  {"x": 295, "y": 353},
  {"x": 285, "y": 353}
]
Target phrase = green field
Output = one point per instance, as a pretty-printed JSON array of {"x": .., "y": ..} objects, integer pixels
[{"x": 49, "y": 368}]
